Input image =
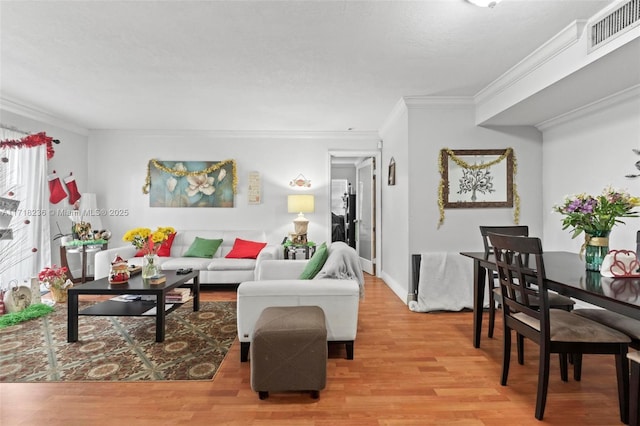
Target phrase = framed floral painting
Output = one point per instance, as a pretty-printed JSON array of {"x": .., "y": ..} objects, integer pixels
[
  {"x": 192, "y": 183},
  {"x": 477, "y": 178}
]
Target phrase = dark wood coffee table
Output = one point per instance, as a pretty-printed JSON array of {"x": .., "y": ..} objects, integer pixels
[{"x": 135, "y": 285}]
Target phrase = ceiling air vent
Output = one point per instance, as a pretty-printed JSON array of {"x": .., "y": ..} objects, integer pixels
[{"x": 615, "y": 23}]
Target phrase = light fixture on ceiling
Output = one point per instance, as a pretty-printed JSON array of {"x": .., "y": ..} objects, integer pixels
[{"x": 484, "y": 3}]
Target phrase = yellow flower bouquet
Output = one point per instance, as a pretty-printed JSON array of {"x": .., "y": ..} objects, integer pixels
[
  {"x": 144, "y": 239},
  {"x": 149, "y": 243}
]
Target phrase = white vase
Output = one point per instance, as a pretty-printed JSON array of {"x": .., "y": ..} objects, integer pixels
[{"x": 35, "y": 290}]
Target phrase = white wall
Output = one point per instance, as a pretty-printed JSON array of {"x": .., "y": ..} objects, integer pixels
[
  {"x": 410, "y": 209},
  {"x": 586, "y": 152},
  {"x": 583, "y": 152},
  {"x": 395, "y": 201},
  {"x": 124, "y": 156},
  {"x": 436, "y": 127}
]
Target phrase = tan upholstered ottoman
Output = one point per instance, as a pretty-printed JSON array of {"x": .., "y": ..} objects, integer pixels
[{"x": 289, "y": 351}]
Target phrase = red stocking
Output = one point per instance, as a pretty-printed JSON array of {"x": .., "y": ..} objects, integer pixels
[
  {"x": 56, "y": 192},
  {"x": 72, "y": 187}
]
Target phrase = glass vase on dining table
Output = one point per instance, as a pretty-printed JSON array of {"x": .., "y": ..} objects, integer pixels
[
  {"x": 593, "y": 281},
  {"x": 150, "y": 266},
  {"x": 596, "y": 248}
]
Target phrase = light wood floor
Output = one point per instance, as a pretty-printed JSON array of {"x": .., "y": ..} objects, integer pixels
[{"x": 409, "y": 369}]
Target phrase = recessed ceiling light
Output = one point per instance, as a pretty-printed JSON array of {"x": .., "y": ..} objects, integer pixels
[{"x": 484, "y": 3}]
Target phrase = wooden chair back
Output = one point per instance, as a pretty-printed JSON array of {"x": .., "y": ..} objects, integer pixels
[
  {"x": 521, "y": 277},
  {"x": 517, "y": 230}
]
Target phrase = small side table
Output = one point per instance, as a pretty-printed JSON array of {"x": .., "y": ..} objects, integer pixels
[
  {"x": 82, "y": 247},
  {"x": 291, "y": 250}
]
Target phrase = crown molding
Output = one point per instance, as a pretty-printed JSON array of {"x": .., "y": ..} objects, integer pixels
[
  {"x": 398, "y": 109},
  {"x": 244, "y": 134},
  {"x": 37, "y": 114},
  {"x": 549, "y": 50},
  {"x": 591, "y": 108},
  {"x": 422, "y": 101}
]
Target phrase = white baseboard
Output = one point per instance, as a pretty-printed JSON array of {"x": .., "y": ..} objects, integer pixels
[{"x": 401, "y": 292}]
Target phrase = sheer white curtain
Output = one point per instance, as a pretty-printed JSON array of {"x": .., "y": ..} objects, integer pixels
[{"x": 25, "y": 174}]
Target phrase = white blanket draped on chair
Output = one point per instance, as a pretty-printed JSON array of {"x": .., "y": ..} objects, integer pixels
[{"x": 446, "y": 283}]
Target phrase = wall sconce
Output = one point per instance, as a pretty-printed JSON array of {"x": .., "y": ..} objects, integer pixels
[
  {"x": 300, "y": 181},
  {"x": 300, "y": 203}
]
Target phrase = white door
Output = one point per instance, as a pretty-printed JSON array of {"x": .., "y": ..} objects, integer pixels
[{"x": 365, "y": 225}]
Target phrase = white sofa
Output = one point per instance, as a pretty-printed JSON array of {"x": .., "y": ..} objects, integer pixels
[
  {"x": 216, "y": 270},
  {"x": 277, "y": 284}
]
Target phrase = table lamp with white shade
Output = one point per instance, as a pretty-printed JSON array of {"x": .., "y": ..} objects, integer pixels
[{"x": 300, "y": 203}]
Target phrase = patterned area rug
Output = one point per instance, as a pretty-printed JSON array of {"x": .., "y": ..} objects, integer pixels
[{"x": 119, "y": 348}]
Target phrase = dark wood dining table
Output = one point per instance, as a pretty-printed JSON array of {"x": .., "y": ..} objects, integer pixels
[{"x": 567, "y": 275}]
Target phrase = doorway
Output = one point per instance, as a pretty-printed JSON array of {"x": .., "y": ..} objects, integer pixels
[{"x": 354, "y": 196}]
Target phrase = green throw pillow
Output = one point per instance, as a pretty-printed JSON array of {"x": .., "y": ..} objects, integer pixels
[
  {"x": 201, "y": 247},
  {"x": 315, "y": 263}
]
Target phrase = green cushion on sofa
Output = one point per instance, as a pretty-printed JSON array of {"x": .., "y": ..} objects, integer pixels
[
  {"x": 201, "y": 247},
  {"x": 315, "y": 263}
]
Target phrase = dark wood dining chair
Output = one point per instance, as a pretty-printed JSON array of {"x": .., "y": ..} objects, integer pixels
[
  {"x": 556, "y": 300},
  {"x": 494, "y": 289},
  {"x": 522, "y": 278},
  {"x": 622, "y": 323}
]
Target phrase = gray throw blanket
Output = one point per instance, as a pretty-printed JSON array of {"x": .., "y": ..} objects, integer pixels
[{"x": 343, "y": 263}]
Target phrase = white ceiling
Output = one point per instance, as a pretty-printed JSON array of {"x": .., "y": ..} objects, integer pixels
[{"x": 260, "y": 65}]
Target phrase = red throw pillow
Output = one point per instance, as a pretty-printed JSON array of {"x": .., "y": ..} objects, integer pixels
[
  {"x": 165, "y": 247},
  {"x": 243, "y": 249},
  {"x": 163, "y": 251}
]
